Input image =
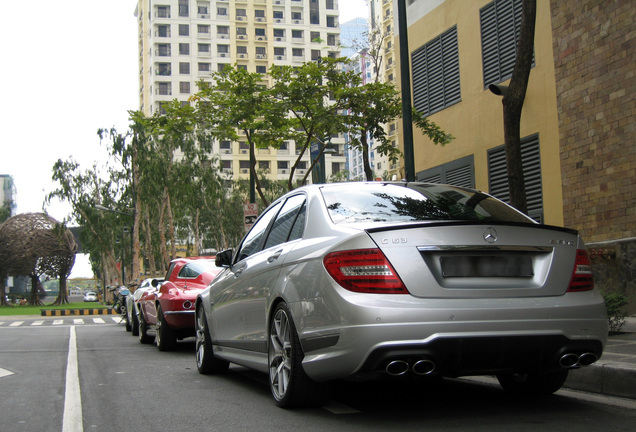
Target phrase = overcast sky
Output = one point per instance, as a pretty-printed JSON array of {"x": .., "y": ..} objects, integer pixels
[{"x": 70, "y": 67}]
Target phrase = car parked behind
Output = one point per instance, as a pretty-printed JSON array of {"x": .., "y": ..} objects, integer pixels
[
  {"x": 132, "y": 320},
  {"x": 90, "y": 296},
  {"x": 167, "y": 313},
  {"x": 400, "y": 279}
]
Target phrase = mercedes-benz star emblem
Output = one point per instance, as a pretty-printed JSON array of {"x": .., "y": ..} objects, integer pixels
[{"x": 490, "y": 235}]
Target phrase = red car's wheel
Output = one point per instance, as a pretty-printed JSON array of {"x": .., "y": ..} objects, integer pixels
[{"x": 166, "y": 338}]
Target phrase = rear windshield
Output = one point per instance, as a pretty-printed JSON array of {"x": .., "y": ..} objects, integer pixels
[{"x": 413, "y": 202}]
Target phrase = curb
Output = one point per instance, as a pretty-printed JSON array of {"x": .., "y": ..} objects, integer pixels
[
  {"x": 609, "y": 380},
  {"x": 67, "y": 312}
]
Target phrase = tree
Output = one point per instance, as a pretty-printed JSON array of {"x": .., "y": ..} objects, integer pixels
[
  {"x": 513, "y": 98},
  {"x": 238, "y": 100}
]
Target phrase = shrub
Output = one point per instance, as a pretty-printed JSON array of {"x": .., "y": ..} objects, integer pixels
[{"x": 614, "y": 302}]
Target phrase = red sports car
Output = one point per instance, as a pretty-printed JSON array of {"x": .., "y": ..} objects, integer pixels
[{"x": 168, "y": 310}]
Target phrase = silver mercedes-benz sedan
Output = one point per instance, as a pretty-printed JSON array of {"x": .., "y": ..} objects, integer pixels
[{"x": 358, "y": 280}]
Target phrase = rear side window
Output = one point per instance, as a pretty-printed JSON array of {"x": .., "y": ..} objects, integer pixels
[
  {"x": 415, "y": 202},
  {"x": 255, "y": 236},
  {"x": 282, "y": 227}
]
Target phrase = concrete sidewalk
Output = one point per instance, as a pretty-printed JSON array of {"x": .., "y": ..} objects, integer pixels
[{"x": 614, "y": 374}]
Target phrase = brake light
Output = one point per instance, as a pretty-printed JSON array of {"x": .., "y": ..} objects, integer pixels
[
  {"x": 364, "y": 271},
  {"x": 582, "y": 279}
]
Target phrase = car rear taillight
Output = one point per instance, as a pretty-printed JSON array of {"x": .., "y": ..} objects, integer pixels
[
  {"x": 582, "y": 279},
  {"x": 364, "y": 271}
]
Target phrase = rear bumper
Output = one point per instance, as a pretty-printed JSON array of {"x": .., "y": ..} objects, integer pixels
[{"x": 462, "y": 337}]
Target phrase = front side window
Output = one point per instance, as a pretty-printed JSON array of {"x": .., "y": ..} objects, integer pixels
[{"x": 254, "y": 237}]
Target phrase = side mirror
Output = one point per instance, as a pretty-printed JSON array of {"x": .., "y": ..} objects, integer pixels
[
  {"x": 224, "y": 258},
  {"x": 155, "y": 283}
]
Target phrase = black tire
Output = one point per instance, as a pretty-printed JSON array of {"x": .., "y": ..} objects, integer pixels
[
  {"x": 144, "y": 337},
  {"x": 128, "y": 323},
  {"x": 165, "y": 337},
  {"x": 134, "y": 324},
  {"x": 288, "y": 382},
  {"x": 207, "y": 362},
  {"x": 532, "y": 384}
]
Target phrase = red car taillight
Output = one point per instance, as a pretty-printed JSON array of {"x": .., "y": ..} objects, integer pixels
[
  {"x": 364, "y": 271},
  {"x": 582, "y": 279}
]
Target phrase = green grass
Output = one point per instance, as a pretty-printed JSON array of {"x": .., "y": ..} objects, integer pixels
[{"x": 36, "y": 310}]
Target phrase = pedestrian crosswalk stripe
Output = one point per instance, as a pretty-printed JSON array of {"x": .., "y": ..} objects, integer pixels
[
  {"x": 98, "y": 321},
  {"x": 58, "y": 322},
  {"x": 16, "y": 323},
  {"x": 37, "y": 323}
]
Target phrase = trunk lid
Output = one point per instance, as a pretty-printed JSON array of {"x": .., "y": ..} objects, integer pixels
[{"x": 472, "y": 260}]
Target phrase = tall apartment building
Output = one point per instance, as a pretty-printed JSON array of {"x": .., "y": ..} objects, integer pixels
[{"x": 184, "y": 41}]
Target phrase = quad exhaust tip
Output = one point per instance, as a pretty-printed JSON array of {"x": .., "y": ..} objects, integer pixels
[
  {"x": 401, "y": 367},
  {"x": 573, "y": 360}
]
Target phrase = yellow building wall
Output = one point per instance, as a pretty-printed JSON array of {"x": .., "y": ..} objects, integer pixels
[{"x": 477, "y": 121}]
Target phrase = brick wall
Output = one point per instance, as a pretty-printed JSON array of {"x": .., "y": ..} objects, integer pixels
[{"x": 595, "y": 58}]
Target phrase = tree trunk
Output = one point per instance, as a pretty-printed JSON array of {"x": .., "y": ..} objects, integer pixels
[
  {"x": 152, "y": 266},
  {"x": 368, "y": 172},
  {"x": 35, "y": 284},
  {"x": 62, "y": 296},
  {"x": 512, "y": 102}
]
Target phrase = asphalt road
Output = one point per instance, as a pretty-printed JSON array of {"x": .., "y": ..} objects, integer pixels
[{"x": 124, "y": 385}]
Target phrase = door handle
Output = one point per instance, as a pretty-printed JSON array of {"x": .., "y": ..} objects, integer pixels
[{"x": 275, "y": 256}]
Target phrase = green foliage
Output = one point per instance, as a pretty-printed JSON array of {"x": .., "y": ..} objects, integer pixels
[{"x": 615, "y": 302}]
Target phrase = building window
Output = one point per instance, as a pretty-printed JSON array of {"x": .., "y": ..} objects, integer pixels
[
  {"x": 259, "y": 32},
  {"x": 225, "y": 145},
  {"x": 223, "y": 30},
  {"x": 278, "y": 51},
  {"x": 531, "y": 162},
  {"x": 221, "y": 66},
  {"x": 164, "y": 88},
  {"x": 222, "y": 11},
  {"x": 283, "y": 165},
  {"x": 500, "y": 27},
  {"x": 278, "y": 15},
  {"x": 331, "y": 40},
  {"x": 203, "y": 12},
  {"x": 261, "y": 50},
  {"x": 259, "y": 13},
  {"x": 263, "y": 165},
  {"x": 204, "y": 48},
  {"x": 184, "y": 30},
  {"x": 297, "y": 34},
  {"x": 460, "y": 172},
  {"x": 315, "y": 54},
  {"x": 261, "y": 69},
  {"x": 184, "y": 87},
  {"x": 244, "y": 164},
  {"x": 184, "y": 68},
  {"x": 330, "y": 4},
  {"x": 315, "y": 36},
  {"x": 164, "y": 69},
  {"x": 184, "y": 49},
  {"x": 226, "y": 164},
  {"x": 314, "y": 18},
  {"x": 279, "y": 33},
  {"x": 203, "y": 29},
  {"x": 184, "y": 9},
  {"x": 241, "y": 31},
  {"x": 241, "y": 49},
  {"x": 298, "y": 52},
  {"x": 331, "y": 21},
  {"x": 297, "y": 16},
  {"x": 204, "y": 67},
  {"x": 436, "y": 74},
  {"x": 163, "y": 50},
  {"x": 241, "y": 14},
  {"x": 163, "y": 11},
  {"x": 163, "y": 30},
  {"x": 223, "y": 49}
]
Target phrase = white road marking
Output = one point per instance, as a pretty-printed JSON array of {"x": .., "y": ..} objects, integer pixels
[
  {"x": 78, "y": 321},
  {"x": 99, "y": 321},
  {"x": 58, "y": 322},
  {"x": 72, "y": 420},
  {"x": 4, "y": 373},
  {"x": 37, "y": 323},
  {"x": 16, "y": 323}
]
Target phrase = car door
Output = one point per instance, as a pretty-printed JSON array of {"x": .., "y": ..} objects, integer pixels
[{"x": 240, "y": 298}]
